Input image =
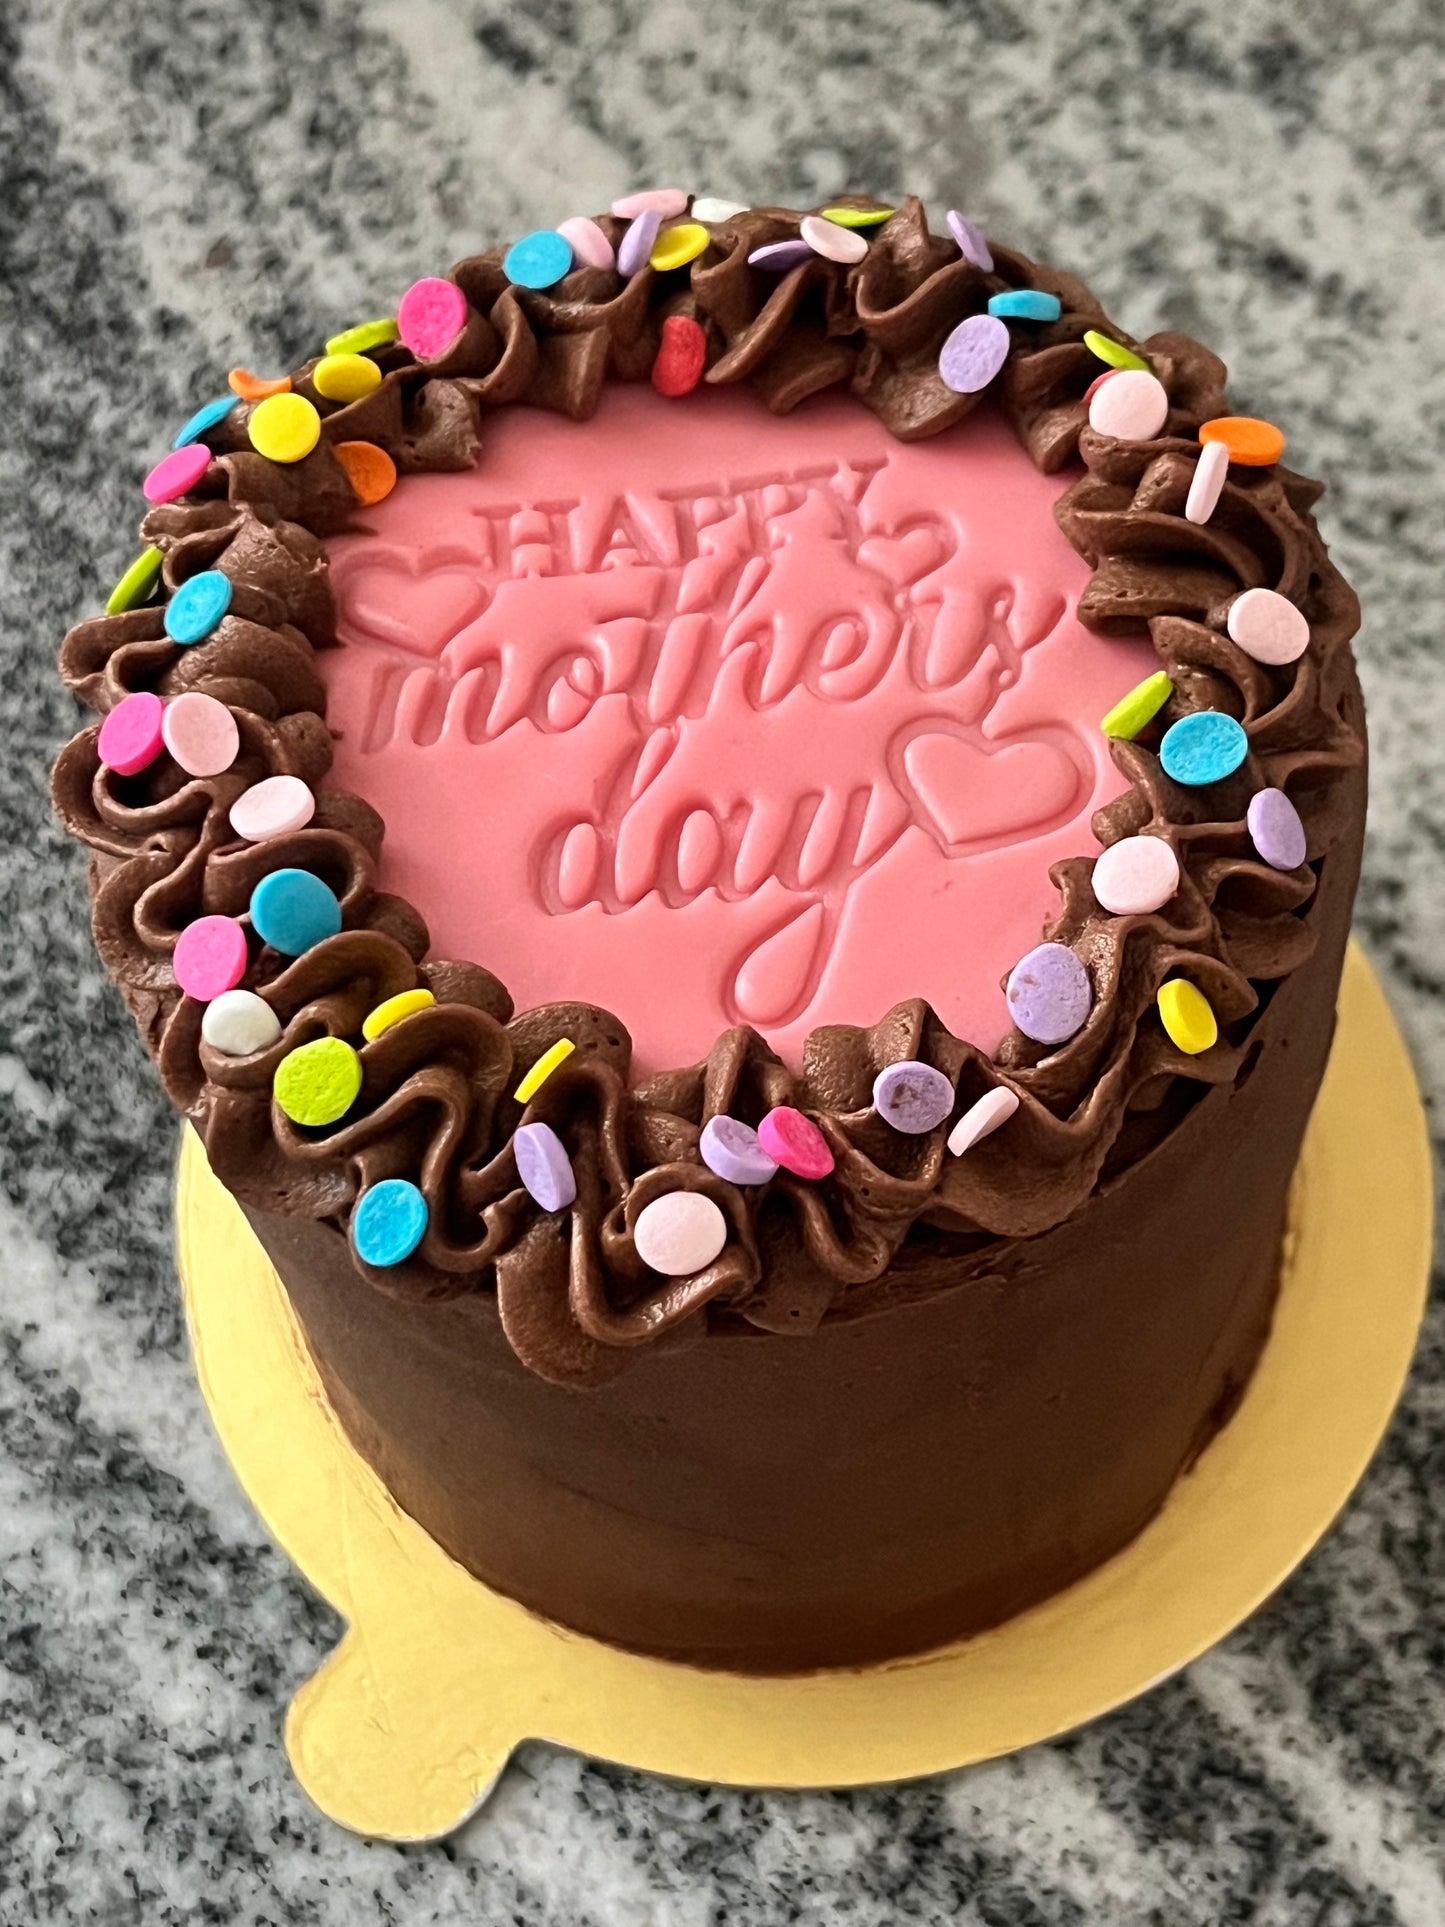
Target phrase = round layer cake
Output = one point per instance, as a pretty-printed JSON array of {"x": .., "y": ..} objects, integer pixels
[{"x": 738, "y": 831}]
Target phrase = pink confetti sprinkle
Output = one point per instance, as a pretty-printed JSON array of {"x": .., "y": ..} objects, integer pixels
[
  {"x": 430, "y": 316},
  {"x": 174, "y": 475},
  {"x": 664, "y": 202},
  {"x": 210, "y": 957},
  {"x": 130, "y": 737}
]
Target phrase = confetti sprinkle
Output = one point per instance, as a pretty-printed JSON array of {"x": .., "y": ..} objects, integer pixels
[
  {"x": 1049, "y": 994},
  {"x": 676, "y": 246},
  {"x": 539, "y": 260},
  {"x": 856, "y": 216},
  {"x": 778, "y": 257},
  {"x": 317, "y": 1083},
  {"x": 1204, "y": 747},
  {"x": 731, "y": 1150},
  {"x": 392, "y": 1010},
  {"x": 137, "y": 584},
  {"x": 1276, "y": 830},
  {"x": 665, "y": 202},
  {"x": 1132, "y": 406},
  {"x": 345, "y": 377},
  {"x": 588, "y": 243},
  {"x": 364, "y": 337},
  {"x": 714, "y": 211},
  {"x": 292, "y": 910},
  {"x": 284, "y": 428},
  {"x": 238, "y": 1023},
  {"x": 1268, "y": 626},
  {"x": 1136, "y": 876},
  {"x": 635, "y": 250},
  {"x": 681, "y": 356},
  {"x": 982, "y": 1119},
  {"x": 548, "y": 1062},
  {"x": 251, "y": 387},
  {"x": 913, "y": 1097},
  {"x": 1251, "y": 442},
  {"x": 1114, "y": 352},
  {"x": 834, "y": 243},
  {"x": 200, "y": 733},
  {"x": 276, "y": 806},
  {"x": 795, "y": 1142},
  {"x": 543, "y": 1166},
  {"x": 1134, "y": 712},
  {"x": 973, "y": 354},
  {"x": 430, "y": 316},
  {"x": 197, "y": 606},
  {"x": 1185, "y": 1013},
  {"x": 971, "y": 243},
  {"x": 1026, "y": 304},
  {"x": 369, "y": 469},
  {"x": 130, "y": 737},
  {"x": 176, "y": 474},
  {"x": 210, "y": 957},
  {"x": 679, "y": 1233},
  {"x": 388, "y": 1223},
  {"x": 1207, "y": 483},
  {"x": 210, "y": 416}
]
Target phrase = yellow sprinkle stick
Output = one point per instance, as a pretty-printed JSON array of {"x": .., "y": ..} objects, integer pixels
[
  {"x": 318, "y": 1083},
  {"x": 406, "y": 1003},
  {"x": 1142, "y": 704},
  {"x": 1114, "y": 352},
  {"x": 557, "y": 1054},
  {"x": 1185, "y": 1013}
]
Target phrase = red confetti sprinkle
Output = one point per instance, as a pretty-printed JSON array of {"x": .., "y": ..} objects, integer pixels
[{"x": 681, "y": 356}]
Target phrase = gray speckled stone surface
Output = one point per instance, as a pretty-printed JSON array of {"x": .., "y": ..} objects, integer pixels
[{"x": 189, "y": 185}]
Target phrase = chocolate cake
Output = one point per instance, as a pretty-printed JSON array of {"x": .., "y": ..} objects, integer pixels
[{"x": 759, "y": 975}]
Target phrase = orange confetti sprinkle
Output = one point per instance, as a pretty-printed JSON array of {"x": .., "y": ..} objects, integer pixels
[
  {"x": 255, "y": 387},
  {"x": 1251, "y": 442},
  {"x": 369, "y": 469}
]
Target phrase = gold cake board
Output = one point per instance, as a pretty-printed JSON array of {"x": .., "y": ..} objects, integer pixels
[{"x": 405, "y": 1728}]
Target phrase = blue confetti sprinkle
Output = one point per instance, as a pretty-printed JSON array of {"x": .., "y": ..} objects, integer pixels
[
  {"x": 389, "y": 1222},
  {"x": 539, "y": 259},
  {"x": 211, "y": 416},
  {"x": 197, "y": 606},
  {"x": 292, "y": 910},
  {"x": 1203, "y": 748},
  {"x": 1026, "y": 304}
]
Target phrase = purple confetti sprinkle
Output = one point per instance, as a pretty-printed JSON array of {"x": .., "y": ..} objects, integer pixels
[
  {"x": 970, "y": 240},
  {"x": 778, "y": 256},
  {"x": 1049, "y": 996},
  {"x": 636, "y": 245},
  {"x": 973, "y": 354},
  {"x": 1274, "y": 824},
  {"x": 912, "y": 1097},
  {"x": 730, "y": 1148},
  {"x": 544, "y": 1166}
]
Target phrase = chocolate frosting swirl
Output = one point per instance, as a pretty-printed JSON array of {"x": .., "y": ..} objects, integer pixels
[{"x": 436, "y": 1103}]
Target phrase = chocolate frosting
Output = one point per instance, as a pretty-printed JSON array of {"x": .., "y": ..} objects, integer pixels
[{"x": 436, "y": 1102}]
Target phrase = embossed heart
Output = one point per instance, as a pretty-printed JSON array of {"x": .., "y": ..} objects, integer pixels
[{"x": 970, "y": 796}]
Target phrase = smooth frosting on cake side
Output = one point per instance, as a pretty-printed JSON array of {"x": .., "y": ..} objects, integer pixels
[{"x": 691, "y": 711}]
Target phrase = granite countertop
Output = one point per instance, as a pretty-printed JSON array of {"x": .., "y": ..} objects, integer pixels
[{"x": 185, "y": 187}]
